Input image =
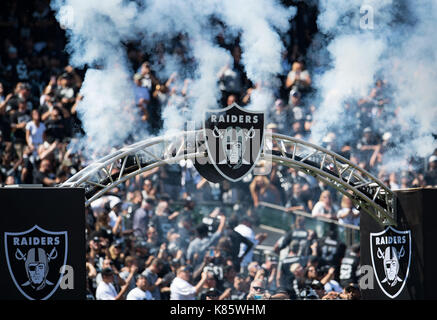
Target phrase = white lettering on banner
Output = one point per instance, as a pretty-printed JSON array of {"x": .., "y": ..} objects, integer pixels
[
  {"x": 234, "y": 118},
  {"x": 34, "y": 241},
  {"x": 390, "y": 240}
]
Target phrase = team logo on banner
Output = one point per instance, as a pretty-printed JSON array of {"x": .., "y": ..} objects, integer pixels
[
  {"x": 234, "y": 139},
  {"x": 391, "y": 257},
  {"x": 35, "y": 258}
]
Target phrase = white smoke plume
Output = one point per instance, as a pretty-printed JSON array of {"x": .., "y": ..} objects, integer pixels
[
  {"x": 97, "y": 31},
  {"x": 398, "y": 47}
]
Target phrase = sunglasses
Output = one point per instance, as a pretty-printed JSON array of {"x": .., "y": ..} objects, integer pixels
[{"x": 260, "y": 289}]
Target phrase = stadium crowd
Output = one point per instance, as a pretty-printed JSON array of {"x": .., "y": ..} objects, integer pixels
[{"x": 140, "y": 244}]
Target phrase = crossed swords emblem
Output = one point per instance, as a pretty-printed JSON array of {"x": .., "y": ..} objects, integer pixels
[{"x": 219, "y": 134}]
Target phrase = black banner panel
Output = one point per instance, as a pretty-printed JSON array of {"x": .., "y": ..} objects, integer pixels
[
  {"x": 42, "y": 249},
  {"x": 402, "y": 257}
]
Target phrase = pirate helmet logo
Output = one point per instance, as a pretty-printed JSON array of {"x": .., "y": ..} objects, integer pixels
[
  {"x": 391, "y": 257},
  {"x": 34, "y": 259},
  {"x": 234, "y": 138}
]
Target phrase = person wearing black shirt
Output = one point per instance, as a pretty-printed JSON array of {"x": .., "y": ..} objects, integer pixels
[
  {"x": 44, "y": 175},
  {"x": 349, "y": 269},
  {"x": 27, "y": 167},
  {"x": 238, "y": 291},
  {"x": 54, "y": 126},
  {"x": 298, "y": 233},
  {"x": 19, "y": 119},
  {"x": 296, "y": 200},
  {"x": 331, "y": 250},
  {"x": 236, "y": 239},
  {"x": 431, "y": 173},
  {"x": 284, "y": 277}
]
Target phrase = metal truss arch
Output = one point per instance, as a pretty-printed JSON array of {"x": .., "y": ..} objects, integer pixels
[{"x": 366, "y": 191}]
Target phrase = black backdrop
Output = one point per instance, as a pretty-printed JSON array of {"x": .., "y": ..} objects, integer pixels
[
  {"x": 416, "y": 209},
  {"x": 54, "y": 210}
]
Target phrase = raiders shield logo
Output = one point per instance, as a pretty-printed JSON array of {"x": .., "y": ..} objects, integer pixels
[
  {"x": 234, "y": 139},
  {"x": 391, "y": 256},
  {"x": 34, "y": 259}
]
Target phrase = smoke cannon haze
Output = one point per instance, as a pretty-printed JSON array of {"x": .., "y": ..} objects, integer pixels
[
  {"x": 397, "y": 48},
  {"x": 96, "y": 32}
]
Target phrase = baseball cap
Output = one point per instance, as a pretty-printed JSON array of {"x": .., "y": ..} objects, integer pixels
[
  {"x": 367, "y": 129},
  {"x": 186, "y": 268},
  {"x": 114, "y": 202},
  {"x": 433, "y": 158},
  {"x": 317, "y": 285},
  {"x": 107, "y": 272}
]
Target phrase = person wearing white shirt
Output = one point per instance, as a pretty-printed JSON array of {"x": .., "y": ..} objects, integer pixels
[
  {"x": 35, "y": 130},
  {"x": 181, "y": 289},
  {"x": 106, "y": 290},
  {"x": 348, "y": 214},
  {"x": 325, "y": 208},
  {"x": 115, "y": 214},
  {"x": 141, "y": 292}
]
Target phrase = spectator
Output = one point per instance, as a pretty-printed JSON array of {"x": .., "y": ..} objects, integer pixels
[
  {"x": 349, "y": 269},
  {"x": 196, "y": 249},
  {"x": 114, "y": 215},
  {"x": 35, "y": 131},
  {"x": 151, "y": 274},
  {"x": 368, "y": 145},
  {"x": 245, "y": 229},
  {"x": 106, "y": 290},
  {"x": 180, "y": 287},
  {"x": 142, "y": 94},
  {"x": 55, "y": 129},
  {"x": 45, "y": 175},
  {"x": 142, "y": 216},
  {"x": 285, "y": 276},
  {"x": 281, "y": 116},
  {"x": 296, "y": 200},
  {"x": 324, "y": 207},
  {"x": 297, "y": 108},
  {"x": 257, "y": 291},
  {"x": 19, "y": 121},
  {"x": 298, "y": 233},
  {"x": 431, "y": 173},
  {"x": 149, "y": 191},
  {"x": 298, "y": 78},
  {"x": 141, "y": 291},
  {"x": 348, "y": 214},
  {"x": 210, "y": 283},
  {"x": 262, "y": 190}
]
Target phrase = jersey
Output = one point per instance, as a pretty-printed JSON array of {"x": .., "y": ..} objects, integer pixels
[
  {"x": 287, "y": 276},
  {"x": 349, "y": 269}
]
